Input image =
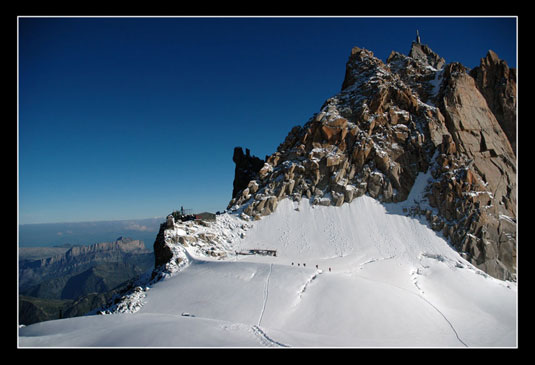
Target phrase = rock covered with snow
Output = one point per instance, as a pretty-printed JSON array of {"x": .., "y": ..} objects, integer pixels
[
  {"x": 425, "y": 55},
  {"x": 390, "y": 122},
  {"x": 177, "y": 244}
]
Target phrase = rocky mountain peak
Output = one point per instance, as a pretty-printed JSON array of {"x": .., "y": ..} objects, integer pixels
[
  {"x": 425, "y": 55},
  {"x": 497, "y": 83},
  {"x": 123, "y": 244},
  {"x": 390, "y": 123},
  {"x": 491, "y": 60},
  {"x": 369, "y": 138},
  {"x": 361, "y": 62}
]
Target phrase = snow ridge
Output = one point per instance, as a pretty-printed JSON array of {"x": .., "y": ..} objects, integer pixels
[{"x": 203, "y": 241}]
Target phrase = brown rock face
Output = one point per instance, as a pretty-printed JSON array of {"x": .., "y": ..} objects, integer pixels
[
  {"x": 497, "y": 83},
  {"x": 388, "y": 124},
  {"x": 483, "y": 185}
]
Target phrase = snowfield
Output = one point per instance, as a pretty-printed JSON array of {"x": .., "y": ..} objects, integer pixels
[{"x": 383, "y": 279}]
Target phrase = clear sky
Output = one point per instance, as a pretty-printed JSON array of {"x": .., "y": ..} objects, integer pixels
[{"x": 127, "y": 118}]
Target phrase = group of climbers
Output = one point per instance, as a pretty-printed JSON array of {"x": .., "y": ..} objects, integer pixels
[{"x": 304, "y": 265}]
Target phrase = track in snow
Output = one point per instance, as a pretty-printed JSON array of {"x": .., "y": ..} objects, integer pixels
[
  {"x": 265, "y": 339},
  {"x": 421, "y": 296},
  {"x": 266, "y": 293},
  {"x": 445, "y": 318}
]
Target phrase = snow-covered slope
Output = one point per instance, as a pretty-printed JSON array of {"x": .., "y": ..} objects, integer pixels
[{"x": 384, "y": 279}]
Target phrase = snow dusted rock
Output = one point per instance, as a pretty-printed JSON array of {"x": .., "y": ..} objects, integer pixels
[
  {"x": 176, "y": 246},
  {"x": 373, "y": 125},
  {"x": 390, "y": 122},
  {"x": 424, "y": 54},
  {"x": 170, "y": 221},
  {"x": 476, "y": 175}
]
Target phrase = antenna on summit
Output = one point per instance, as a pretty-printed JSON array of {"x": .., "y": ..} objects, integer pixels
[{"x": 417, "y": 37}]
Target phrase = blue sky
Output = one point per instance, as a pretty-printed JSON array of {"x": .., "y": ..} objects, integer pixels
[{"x": 129, "y": 118}]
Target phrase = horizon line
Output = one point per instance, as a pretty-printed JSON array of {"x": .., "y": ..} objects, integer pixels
[{"x": 93, "y": 221}]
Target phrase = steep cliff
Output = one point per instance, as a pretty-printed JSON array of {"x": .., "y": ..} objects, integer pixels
[
  {"x": 247, "y": 168},
  {"x": 497, "y": 83}
]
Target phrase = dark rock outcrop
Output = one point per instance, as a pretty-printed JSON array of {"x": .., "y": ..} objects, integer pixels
[
  {"x": 247, "y": 168},
  {"x": 162, "y": 252}
]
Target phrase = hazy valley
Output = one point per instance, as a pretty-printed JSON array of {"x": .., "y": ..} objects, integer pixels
[{"x": 68, "y": 281}]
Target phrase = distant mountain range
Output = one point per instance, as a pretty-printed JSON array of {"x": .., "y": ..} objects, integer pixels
[
  {"x": 69, "y": 281},
  {"x": 83, "y": 233},
  {"x": 36, "y": 253}
]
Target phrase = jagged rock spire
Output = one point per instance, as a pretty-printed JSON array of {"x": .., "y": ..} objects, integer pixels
[
  {"x": 497, "y": 83},
  {"x": 247, "y": 168},
  {"x": 424, "y": 54}
]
